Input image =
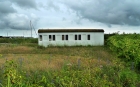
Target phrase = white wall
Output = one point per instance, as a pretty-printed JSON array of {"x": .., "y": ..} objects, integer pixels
[{"x": 96, "y": 39}]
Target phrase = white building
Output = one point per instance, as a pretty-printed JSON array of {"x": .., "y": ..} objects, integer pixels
[{"x": 70, "y": 37}]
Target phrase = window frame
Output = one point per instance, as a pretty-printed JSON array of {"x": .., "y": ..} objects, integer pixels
[
  {"x": 75, "y": 37},
  {"x": 40, "y": 37},
  {"x": 53, "y": 37},
  {"x": 79, "y": 37},
  {"x": 88, "y": 37},
  {"x": 50, "y": 37},
  {"x": 67, "y": 37},
  {"x": 63, "y": 37}
]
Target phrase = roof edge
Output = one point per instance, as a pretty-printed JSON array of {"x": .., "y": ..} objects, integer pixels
[{"x": 69, "y": 30}]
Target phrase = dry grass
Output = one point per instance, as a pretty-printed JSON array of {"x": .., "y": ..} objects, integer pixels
[
  {"x": 55, "y": 58},
  {"x": 11, "y": 48},
  {"x": 33, "y": 62}
]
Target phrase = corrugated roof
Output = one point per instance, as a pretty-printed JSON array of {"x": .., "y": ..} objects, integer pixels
[{"x": 69, "y": 30}]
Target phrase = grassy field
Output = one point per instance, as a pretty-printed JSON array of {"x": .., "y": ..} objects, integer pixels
[
  {"x": 29, "y": 65},
  {"x": 54, "y": 57}
]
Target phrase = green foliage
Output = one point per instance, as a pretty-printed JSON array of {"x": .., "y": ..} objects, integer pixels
[
  {"x": 106, "y": 36},
  {"x": 18, "y": 40},
  {"x": 11, "y": 75},
  {"x": 113, "y": 74},
  {"x": 128, "y": 78},
  {"x": 70, "y": 76},
  {"x": 40, "y": 47},
  {"x": 127, "y": 47}
]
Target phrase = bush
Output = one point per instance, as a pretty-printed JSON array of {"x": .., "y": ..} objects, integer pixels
[
  {"x": 69, "y": 76},
  {"x": 127, "y": 47},
  {"x": 128, "y": 78}
]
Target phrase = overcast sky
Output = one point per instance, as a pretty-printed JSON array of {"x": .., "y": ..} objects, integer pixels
[{"x": 110, "y": 15}]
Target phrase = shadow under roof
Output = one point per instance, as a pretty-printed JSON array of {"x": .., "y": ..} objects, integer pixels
[{"x": 69, "y": 30}]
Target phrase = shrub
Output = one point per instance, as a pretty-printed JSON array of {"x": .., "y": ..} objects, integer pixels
[{"x": 127, "y": 47}]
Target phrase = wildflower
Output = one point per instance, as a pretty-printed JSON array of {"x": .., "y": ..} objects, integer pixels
[
  {"x": 101, "y": 66},
  {"x": 69, "y": 64}
]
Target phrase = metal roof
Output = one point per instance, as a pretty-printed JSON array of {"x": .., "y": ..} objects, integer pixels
[{"x": 69, "y": 30}]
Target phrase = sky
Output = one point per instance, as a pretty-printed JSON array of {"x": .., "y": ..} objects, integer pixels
[{"x": 110, "y": 15}]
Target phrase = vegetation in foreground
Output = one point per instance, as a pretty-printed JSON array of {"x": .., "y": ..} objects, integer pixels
[
  {"x": 28, "y": 65},
  {"x": 127, "y": 48},
  {"x": 18, "y": 40}
]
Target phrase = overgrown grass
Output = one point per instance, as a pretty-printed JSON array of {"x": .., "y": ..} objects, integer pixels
[
  {"x": 127, "y": 47},
  {"x": 70, "y": 75},
  {"x": 18, "y": 40},
  {"x": 29, "y": 65}
]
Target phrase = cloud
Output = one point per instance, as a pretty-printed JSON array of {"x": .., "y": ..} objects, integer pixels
[
  {"x": 10, "y": 18},
  {"x": 17, "y": 21},
  {"x": 50, "y": 5},
  {"x": 110, "y": 12},
  {"x": 6, "y": 8},
  {"x": 27, "y": 4}
]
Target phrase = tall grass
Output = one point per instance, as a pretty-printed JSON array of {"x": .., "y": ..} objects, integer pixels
[
  {"x": 29, "y": 65},
  {"x": 18, "y": 40},
  {"x": 69, "y": 76}
]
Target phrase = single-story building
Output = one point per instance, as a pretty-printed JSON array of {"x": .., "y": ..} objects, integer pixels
[{"x": 70, "y": 37}]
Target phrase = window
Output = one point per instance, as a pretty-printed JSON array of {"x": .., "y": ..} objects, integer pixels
[
  {"x": 77, "y": 37},
  {"x": 64, "y": 37},
  {"x": 51, "y": 37},
  {"x": 88, "y": 37},
  {"x": 40, "y": 37}
]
